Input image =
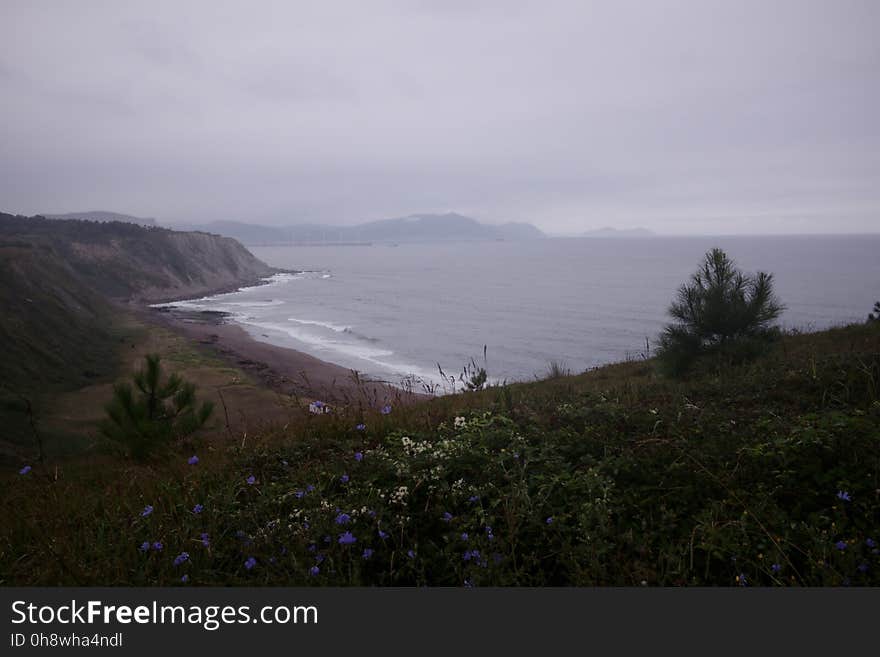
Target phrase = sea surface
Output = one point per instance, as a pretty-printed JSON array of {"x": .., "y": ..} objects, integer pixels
[{"x": 394, "y": 312}]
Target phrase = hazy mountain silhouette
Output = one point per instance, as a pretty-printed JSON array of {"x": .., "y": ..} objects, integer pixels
[{"x": 414, "y": 228}]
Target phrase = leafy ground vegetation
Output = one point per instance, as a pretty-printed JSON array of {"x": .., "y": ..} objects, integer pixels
[{"x": 763, "y": 473}]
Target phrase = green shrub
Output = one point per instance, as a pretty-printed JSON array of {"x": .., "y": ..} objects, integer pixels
[
  {"x": 721, "y": 311},
  {"x": 154, "y": 412}
]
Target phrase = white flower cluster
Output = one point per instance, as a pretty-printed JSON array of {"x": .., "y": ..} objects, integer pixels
[
  {"x": 399, "y": 495},
  {"x": 460, "y": 422}
]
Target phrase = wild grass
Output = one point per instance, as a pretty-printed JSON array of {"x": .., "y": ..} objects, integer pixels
[{"x": 766, "y": 473}]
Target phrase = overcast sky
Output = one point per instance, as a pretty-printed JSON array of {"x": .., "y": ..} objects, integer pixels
[{"x": 683, "y": 117}]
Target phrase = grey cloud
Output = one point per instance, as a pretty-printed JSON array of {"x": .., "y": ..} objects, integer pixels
[{"x": 682, "y": 116}]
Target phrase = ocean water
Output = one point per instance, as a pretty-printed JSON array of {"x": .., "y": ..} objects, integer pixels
[{"x": 397, "y": 311}]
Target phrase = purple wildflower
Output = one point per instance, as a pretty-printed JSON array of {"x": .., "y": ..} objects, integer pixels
[
  {"x": 840, "y": 545},
  {"x": 411, "y": 554},
  {"x": 299, "y": 494},
  {"x": 368, "y": 552},
  {"x": 184, "y": 579},
  {"x": 183, "y": 557},
  {"x": 344, "y": 479},
  {"x": 474, "y": 498},
  {"x": 309, "y": 488},
  {"x": 343, "y": 519},
  {"x": 158, "y": 547},
  {"x": 147, "y": 511},
  {"x": 206, "y": 541},
  {"x": 386, "y": 409},
  {"x": 25, "y": 470},
  {"x": 549, "y": 520},
  {"x": 447, "y": 517},
  {"x": 361, "y": 427},
  {"x": 347, "y": 539},
  {"x": 383, "y": 535},
  {"x": 742, "y": 580},
  {"x": 144, "y": 546},
  {"x": 358, "y": 456},
  {"x": 319, "y": 558},
  {"x": 250, "y": 563},
  {"x": 464, "y": 536},
  {"x": 870, "y": 542},
  {"x": 198, "y": 508},
  {"x": 193, "y": 460},
  {"x": 471, "y": 554},
  {"x": 468, "y": 584},
  {"x": 314, "y": 570},
  {"x": 251, "y": 480},
  {"x": 843, "y": 495}
]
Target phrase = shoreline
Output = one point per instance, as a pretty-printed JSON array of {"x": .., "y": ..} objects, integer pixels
[{"x": 284, "y": 370}]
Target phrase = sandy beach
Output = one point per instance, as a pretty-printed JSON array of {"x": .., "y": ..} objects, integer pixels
[{"x": 286, "y": 371}]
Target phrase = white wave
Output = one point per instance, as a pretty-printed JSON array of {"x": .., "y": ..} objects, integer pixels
[
  {"x": 256, "y": 304},
  {"x": 325, "y": 344},
  {"x": 333, "y": 327}
]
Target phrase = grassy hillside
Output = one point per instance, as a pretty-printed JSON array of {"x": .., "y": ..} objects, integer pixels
[
  {"x": 60, "y": 286},
  {"x": 765, "y": 474}
]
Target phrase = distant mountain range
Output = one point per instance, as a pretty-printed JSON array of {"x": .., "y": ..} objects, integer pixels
[
  {"x": 616, "y": 232},
  {"x": 415, "y": 228},
  {"x": 102, "y": 216}
]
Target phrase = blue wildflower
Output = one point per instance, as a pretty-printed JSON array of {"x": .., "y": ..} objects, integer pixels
[
  {"x": 144, "y": 546},
  {"x": 840, "y": 545},
  {"x": 361, "y": 427},
  {"x": 383, "y": 535},
  {"x": 158, "y": 547},
  {"x": 368, "y": 552},
  {"x": 742, "y": 580},
  {"x": 314, "y": 570},
  {"x": 386, "y": 409},
  {"x": 411, "y": 554},
  {"x": 347, "y": 539},
  {"x": 447, "y": 517},
  {"x": 468, "y": 584},
  {"x": 249, "y": 563},
  {"x": 344, "y": 479},
  {"x": 474, "y": 498},
  {"x": 776, "y": 568},
  {"x": 464, "y": 536},
  {"x": 251, "y": 480},
  {"x": 185, "y": 578},
  {"x": 327, "y": 539},
  {"x": 549, "y": 520},
  {"x": 870, "y": 542},
  {"x": 309, "y": 488},
  {"x": 843, "y": 495},
  {"x": 343, "y": 519},
  {"x": 358, "y": 456},
  {"x": 299, "y": 494},
  {"x": 193, "y": 460},
  {"x": 198, "y": 508},
  {"x": 319, "y": 558},
  {"x": 205, "y": 539},
  {"x": 312, "y": 547},
  {"x": 147, "y": 511},
  {"x": 25, "y": 470},
  {"x": 181, "y": 558}
]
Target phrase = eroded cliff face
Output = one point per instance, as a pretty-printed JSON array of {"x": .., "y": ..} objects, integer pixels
[
  {"x": 62, "y": 282},
  {"x": 126, "y": 262}
]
